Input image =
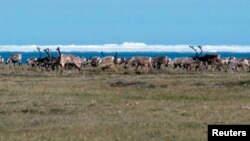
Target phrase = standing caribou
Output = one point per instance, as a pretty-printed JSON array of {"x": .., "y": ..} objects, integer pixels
[
  {"x": 15, "y": 58},
  {"x": 63, "y": 59},
  {"x": 43, "y": 62},
  {"x": 139, "y": 61},
  {"x": 52, "y": 62},
  {"x": 207, "y": 59}
]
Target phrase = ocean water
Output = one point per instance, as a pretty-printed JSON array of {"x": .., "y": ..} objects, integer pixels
[{"x": 172, "y": 55}]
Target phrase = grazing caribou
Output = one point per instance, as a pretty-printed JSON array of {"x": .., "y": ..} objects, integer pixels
[
  {"x": 95, "y": 61},
  {"x": 84, "y": 61},
  {"x": 31, "y": 62},
  {"x": 235, "y": 64},
  {"x": 223, "y": 64},
  {"x": 139, "y": 61},
  {"x": 15, "y": 58},
  {"x": 186, "y": 63},
  {"x": 177, "y": 62},
  {"x": 189, "y": 63},
  {"x": 157, "y": 62},
  {"x": 107, "y": 59},
  {"x": 243, "y": 63},
  {"x": 120, "y": 61}
]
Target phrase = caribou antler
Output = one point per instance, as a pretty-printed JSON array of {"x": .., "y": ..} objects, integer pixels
[
  {"x": 192, "y": 47},
  {"x": 47, "y": 52},
  {"x": 58, "y": 49},
  {"x": 50, "y": 51},
  {"x": 102, "y": 54},
  {"x": 200, "y": 47},
  {"x": 116, "y": 55},
  {"x": 38, "y": 48}
]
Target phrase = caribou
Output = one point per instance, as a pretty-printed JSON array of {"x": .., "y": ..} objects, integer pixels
[
  {"x": 157, "y": 62},
  {"x": 118, "y": 61},
  {"x": 223, "y": 64},
  {"x": 235, "y": 64},
  {"x": 243, "y": 63},
  {"x": 84, "y": 62},
  {"x": 1, "y": 60},
  {"x": 185, "y": 63},
  {"x": 139, "y": 61},
  {"x": 178, "y": 62},
  {"x": 31, "y": 62},
  {"x": 108, "y": 59},
  {"x": 43, "y": 62},
  {"x": 52, "y": 62},
  {"x": 63, "y": 59},
  {"x": 207, "y": 59},
  {"x": 15, "y": 58},
  {"x": 95, "y": 61}
]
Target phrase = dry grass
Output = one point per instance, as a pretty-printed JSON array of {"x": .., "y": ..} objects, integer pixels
[{"x": 110, "y": 105}]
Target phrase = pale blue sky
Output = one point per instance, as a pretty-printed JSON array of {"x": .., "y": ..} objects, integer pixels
[{"x": 213, "y": 22}]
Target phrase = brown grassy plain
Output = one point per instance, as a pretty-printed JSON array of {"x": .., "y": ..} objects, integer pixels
[{"x": 98, "y": 106}]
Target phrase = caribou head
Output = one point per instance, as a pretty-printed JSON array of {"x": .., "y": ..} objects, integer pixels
[{"x": 59, "y": 51}]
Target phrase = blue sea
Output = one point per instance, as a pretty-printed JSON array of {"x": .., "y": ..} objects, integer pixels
[{"x": 124, "y": 54}]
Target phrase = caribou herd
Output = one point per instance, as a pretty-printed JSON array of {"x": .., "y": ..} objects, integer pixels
[{"x": 198, "y": 62}]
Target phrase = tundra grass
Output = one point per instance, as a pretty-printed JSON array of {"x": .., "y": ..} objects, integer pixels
[{"x": 96, "y": 105}]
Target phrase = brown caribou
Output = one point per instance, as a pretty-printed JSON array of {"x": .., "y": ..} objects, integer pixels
[
  {"x": 177, "y": 62},
  {"x": 107, "y": 59},
  {"x": 1, "y": 60},
  {"x": 185, "y": 63},
  {"x": 63, "y": 59},
  {"x": 120, "y": 61},
  {"x": 223, "y": 64},
  {"x": 84, "y": 62},
  {"x": 15, "y": 58},
  {"x": 139, "y": 61},
  {"x": 32, "y": 62},
  {"x": 95, "y": 61},
  {"x": 243, "y": 63},
  {"x": 190, "y": 63},
  {"x": 157, "y": 62},
  {"x": 235, "y": 64}
]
